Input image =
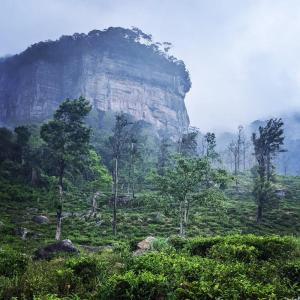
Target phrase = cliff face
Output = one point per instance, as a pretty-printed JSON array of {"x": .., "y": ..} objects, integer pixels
[{"x": 116, "y": 70}]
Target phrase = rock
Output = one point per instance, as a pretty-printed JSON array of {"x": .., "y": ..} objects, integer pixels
[
  {"x": 145, "y": 245},
  {"x": 280, "y": 193},
  {"x": 41, "y": 219},
  {"x": 64, "y": 246},
  {"x": 32, "y": 209},
  {"x": 22, "y": 232},
  {"x": 67, "y": 214},
  {"x": 151, "y": 89}
]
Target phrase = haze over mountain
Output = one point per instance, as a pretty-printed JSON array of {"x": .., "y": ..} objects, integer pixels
[{"x": 242, "y": 55}]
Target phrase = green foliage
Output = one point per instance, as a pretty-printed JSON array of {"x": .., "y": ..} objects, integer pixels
[
  {"x": 16, "y": 192},
  {"x": 234, "y": 252},
  {"x": 12, "y": 263},
  {"x": 234, "y": 267},
  {"x": 98, "y": 175},
  {"x": 251, "y": 246},
  {"x": 66, "y": 135}
]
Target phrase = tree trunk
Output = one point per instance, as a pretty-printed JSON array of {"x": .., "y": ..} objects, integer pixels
[
  {"x": 181, "y": 219},
  {"x": 132, "y": 183},
  {"x": 59, "y": 213},
  {"x": 115, "y": 198},
  {"x": 185, "y": 216},
  {"x": 259, "y": 212},
  {"x": 34, "y": 176},
  {"x": 60, "y": 205},
  {"x": 268, "y": 167},
  {"x": 94, "y": 205}
]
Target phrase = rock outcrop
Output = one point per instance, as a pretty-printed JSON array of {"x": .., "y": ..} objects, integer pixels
[
  {"x": 116, "y": 70},
  {"x": 65, "y": 246},
  {"x": 41, "y": 220},
  {"x": 144, "y": 245}
]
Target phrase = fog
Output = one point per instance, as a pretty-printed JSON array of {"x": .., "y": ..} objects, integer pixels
[{"x": 242, "y": 55}]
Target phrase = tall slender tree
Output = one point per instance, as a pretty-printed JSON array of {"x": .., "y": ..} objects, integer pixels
[
  {"x": 67, "y": 137},
  {"x": 267, "y": 144},
  {"x": 117, "y": 142}
]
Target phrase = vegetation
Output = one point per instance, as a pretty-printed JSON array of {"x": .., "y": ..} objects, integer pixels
[
  {"x": 232, "y": 267},
  {"x": 208, "y": 243}
]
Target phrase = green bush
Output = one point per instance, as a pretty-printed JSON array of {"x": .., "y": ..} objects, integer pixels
[
  {"x": 201, "y": 245},
  {"x": 177, "y": 242},
  {"x": 233, "y": 252},
  {"x": 267, "y": 248},
  {"x": 12, "y": 262},
  {"x": 145, "y": 286},
  {"x": 84, "y": 267},
  {"x": 292, "y": 271}
]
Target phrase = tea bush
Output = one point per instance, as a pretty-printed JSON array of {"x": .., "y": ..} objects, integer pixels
[
  {"x": 230, "y": 267},
  {"x": 12, "y": 262}
]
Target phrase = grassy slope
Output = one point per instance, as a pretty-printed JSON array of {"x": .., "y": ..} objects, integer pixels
[{"x": 239, "y": 217}]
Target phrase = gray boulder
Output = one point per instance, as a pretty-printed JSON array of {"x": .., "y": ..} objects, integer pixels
[
  {"x": 41, "y": 219},
  {"x": 65, "y": 246}
]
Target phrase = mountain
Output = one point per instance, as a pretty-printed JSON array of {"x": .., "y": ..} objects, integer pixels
[{"x": 116, "y": 69}]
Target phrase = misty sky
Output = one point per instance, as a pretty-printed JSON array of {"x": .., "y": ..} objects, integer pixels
[{"x": 243, "y": 55}]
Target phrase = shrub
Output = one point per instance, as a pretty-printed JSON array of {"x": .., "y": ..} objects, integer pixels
[
  {"x": 44, "y": 277},
  {"x": 201, "y": 245},
  {"x": 292, "y": 271},
  {"x": 136, "y": 286},
  {"x": 161, "y": 244},
  {"x": 234, "y": 252},
  {"x": 12, "y": 262},
  {"x": 268, "y": 248},
  {"x": 177, "y": 242}
]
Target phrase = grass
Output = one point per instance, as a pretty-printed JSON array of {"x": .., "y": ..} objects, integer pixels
[{"x": 283, "y": 218}]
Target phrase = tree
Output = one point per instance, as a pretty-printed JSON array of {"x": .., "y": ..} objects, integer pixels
[
  {"x": 187, "y": 143},
  {"x": 209, "y": 146},
  {"x": 98, "y": 179},
  {"x": 163, "y": 155},
  {"x": 185, "y": 181},
  {"x": 67, "y": 137},
  {"x": 23, "y": 136},
  {"x": 134, "y": 155},
  {"x": 267, "y": 145},
  {"x": 117, "y": 142}
]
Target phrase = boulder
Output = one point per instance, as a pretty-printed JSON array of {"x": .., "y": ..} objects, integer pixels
[
  {"x": 22, "y": 232},
  {"x": 145, "y": 245},
  {"x": 65, "y": 246},
  {"x": 41, "y": 219}
]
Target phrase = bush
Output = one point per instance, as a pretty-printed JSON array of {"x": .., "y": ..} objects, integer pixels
[
  {"x": 177, "y": 242},
  {"x": 87, "y": 268},
  {"x": 135, "y": 286},
  {"x": 161, "y": 244},
  {"x": 201, "y": 245},
  {"x": 292, "y": 271},
  {"x": 267, "y": 248},
  {"x": 12, "y": 262},
  {"x": 233, "y": 252}
]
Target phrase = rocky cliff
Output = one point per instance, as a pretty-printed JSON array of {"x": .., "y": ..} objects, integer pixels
[{"x": 116, "y": 70}]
